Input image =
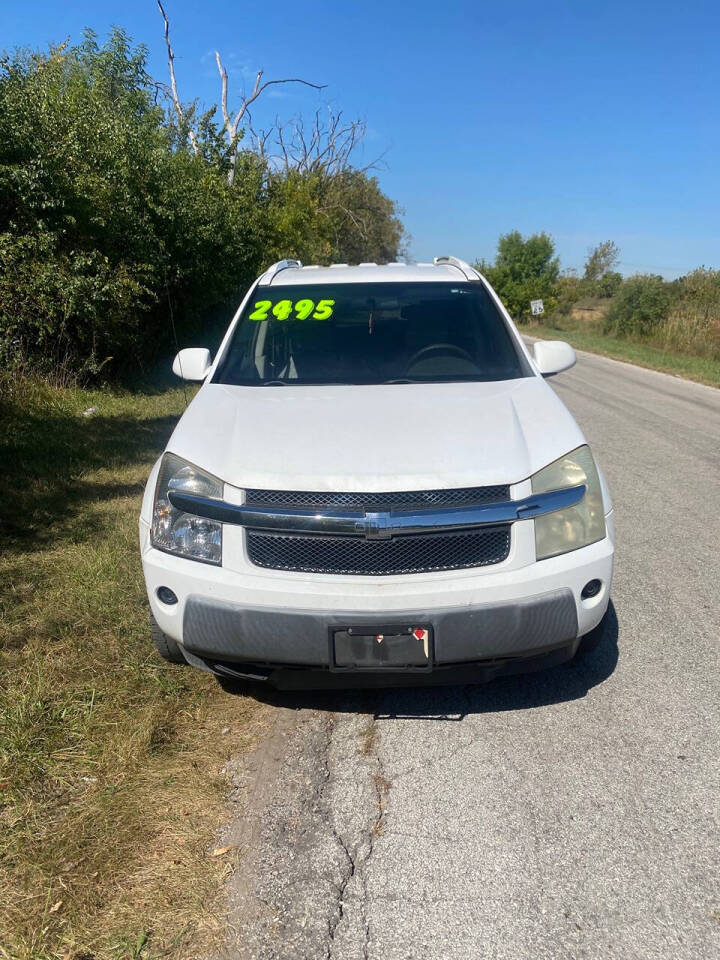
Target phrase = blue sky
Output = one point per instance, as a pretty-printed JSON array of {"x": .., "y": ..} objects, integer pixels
[{"x": 589, "y": 120}]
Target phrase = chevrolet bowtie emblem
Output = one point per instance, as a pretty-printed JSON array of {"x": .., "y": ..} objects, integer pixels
[{"x": 375, "y": 526}]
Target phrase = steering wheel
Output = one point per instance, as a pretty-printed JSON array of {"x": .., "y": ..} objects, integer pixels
[{"x": 446, "y": 348}]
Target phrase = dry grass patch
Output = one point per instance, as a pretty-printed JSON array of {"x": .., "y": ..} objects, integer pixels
[
  {"x": 111, "y": 784},
  {"x": 583, "y": 334}
]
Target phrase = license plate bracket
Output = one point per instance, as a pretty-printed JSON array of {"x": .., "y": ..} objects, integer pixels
[{"x": 382, "y": 648}]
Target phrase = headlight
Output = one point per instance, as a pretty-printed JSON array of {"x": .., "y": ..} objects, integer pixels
[
  {"x": 182, "y": 533},
  {"x": 576, "y": 526}
]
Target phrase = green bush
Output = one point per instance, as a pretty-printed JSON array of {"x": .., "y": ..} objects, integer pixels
[
  {"x": 110, "y": 226},
  {"x": 101, "y": 221},
  {"x": 640, "y": 307},
  {"x": 607, "y": 285},
  {"x": 569, "y": 292}
]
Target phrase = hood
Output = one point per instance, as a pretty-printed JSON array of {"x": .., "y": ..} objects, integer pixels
[{"x": 375, "y": 438}]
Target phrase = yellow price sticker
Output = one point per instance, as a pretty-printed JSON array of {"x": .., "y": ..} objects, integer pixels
[{"x": 292, "y": 310}]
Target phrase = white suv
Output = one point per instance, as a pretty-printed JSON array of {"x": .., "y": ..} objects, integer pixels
[{"x": 375, "y": 484}]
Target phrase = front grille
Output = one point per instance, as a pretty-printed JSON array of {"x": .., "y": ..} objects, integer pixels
[
  {"x": 378, "y": 501},
  {"x": 415, "y": 553}
]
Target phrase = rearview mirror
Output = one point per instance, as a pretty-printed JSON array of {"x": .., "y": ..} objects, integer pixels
[
  {"x": 192, "y": 363},
  {"x": 553, "y": 356}
]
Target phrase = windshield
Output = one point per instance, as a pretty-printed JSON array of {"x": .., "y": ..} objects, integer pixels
[{"x": 370, "y": 333}]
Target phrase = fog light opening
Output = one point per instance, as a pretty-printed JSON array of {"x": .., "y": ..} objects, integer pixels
[
  {"x": 591, "y": 589},
  {"x": 166, "y": 595}
]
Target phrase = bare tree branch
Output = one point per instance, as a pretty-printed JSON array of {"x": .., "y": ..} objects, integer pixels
[
  {"x": 173, "y": 83},
  {"x": 259, "y": 138},
  {"x": 224, "y": 81},
  {"x": 231, "y": 127},
  {"x": 283, "y": 148},
  {"x": 260, "y": 88},
  {"x": 357, "y": 222},
  {"x": 327, "y": 147},
  {"x": 299, "y": 153}
]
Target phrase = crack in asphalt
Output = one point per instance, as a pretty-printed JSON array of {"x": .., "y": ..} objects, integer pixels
[
  {"x": 336, "y": 919},
  {"x": 304, "y": 892},
  {"x": 359, "y": 854},
  {"x": 382, "y": 788}
]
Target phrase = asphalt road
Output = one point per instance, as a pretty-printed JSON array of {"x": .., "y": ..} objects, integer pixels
[{"x": 569, "y": 814}]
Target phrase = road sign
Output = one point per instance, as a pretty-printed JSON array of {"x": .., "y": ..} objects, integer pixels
[{"x": 537, "y": 308}]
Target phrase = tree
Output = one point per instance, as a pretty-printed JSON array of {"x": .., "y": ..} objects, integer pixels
[
  {"x": 320, "y": 218},
  {"x": 600, "y": 260},
  {"x": 230, "y": 119},
  {"x": 116, "y": 225},
  {"x": 327, "y": 145},
  {"x": 83, "y": 159},
  {"x": 323, "y": 206},
  {"x": 525, "y": 269},
  {"x": 106, "y": 223}
]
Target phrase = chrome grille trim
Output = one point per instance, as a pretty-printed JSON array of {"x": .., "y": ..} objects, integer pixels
[{"x": 377, "y": 525}]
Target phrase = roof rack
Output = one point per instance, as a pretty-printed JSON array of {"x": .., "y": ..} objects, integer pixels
[
  {"x": 465, "y": 268},
  {"x": 272, "y": 271}
]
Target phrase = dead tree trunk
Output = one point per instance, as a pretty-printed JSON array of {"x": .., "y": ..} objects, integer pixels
[{"x": 231, "y": 123}]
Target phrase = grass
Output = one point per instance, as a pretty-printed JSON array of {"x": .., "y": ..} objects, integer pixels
[
  {"x": 702, "y": 369},
  {"x": 111, "y": 790}
]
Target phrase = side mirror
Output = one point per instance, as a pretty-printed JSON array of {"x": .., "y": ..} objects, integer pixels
[
  {"x": 192, "y": 363},
  {"x": 553, "y": 356}
]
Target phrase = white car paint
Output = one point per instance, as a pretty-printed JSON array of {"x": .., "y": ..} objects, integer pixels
[
  {"x": 377, "y": 438},
  {"x": 395, "y": 437}
]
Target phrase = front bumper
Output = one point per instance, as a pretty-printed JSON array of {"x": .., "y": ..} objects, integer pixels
[
  {"x": 217, "y": 630},
  {"x": 285, "y": 677},
  {"x": 271, "y": 619}
]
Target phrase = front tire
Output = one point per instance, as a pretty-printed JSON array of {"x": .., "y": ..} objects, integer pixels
[{"x": 165, "y": 645}]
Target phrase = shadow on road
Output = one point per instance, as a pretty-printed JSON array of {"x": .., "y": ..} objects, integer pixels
[{"x": 570, "y": 681}]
